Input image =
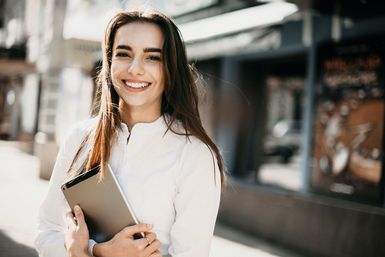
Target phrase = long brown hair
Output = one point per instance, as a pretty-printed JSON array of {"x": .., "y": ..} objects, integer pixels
[{"x": 179, "y": 99}]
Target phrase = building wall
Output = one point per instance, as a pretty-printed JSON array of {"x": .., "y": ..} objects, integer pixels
[{"x": 313, "y": 225}]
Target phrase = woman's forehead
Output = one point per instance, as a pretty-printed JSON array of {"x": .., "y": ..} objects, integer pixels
[{"x": 139, "y": 35}]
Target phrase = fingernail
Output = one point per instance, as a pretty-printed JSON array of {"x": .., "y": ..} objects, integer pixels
[
  {"x": 150, "y": 226},
  {"x": 76, "y": 209}
]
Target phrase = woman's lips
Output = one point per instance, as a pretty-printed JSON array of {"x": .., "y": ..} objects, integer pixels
[{"x": 136, "y": 85}]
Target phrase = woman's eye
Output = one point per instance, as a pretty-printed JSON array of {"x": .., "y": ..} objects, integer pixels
[
  {"x": 153, "y": 58},
  {"x": 122, "y": 55}
]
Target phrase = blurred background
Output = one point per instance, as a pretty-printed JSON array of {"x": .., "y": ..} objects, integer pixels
[{"x": 293, "y": 96}]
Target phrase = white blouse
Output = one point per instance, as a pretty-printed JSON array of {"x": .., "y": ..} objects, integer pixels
[{"x": 170, "y": 181}]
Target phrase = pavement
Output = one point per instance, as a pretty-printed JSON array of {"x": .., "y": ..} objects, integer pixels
[{"x": 21, "y": 191}]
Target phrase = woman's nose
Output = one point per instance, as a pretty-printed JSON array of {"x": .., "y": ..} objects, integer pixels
[{"x": 136, "y": 67}]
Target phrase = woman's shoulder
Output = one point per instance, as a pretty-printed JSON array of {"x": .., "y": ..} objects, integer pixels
[
  {"x": 189, "y": 142},
  {"x": 198, "y": 163},
  {"x": 79, "y": 130},
  {"x": 83, "y": 126},
  {"x": 195, "y": 146},
  {"x": 191, "y": 148}
]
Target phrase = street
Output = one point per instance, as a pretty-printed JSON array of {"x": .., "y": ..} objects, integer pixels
[{"x": 21, "y": 192}]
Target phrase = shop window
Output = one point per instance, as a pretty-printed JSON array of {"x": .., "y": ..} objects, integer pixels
[
  {"x": 347, "y": 152},
  {"x": 281, "y": 160}
]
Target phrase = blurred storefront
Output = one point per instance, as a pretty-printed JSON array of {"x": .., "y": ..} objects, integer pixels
[{"x": 299, "y": 117}]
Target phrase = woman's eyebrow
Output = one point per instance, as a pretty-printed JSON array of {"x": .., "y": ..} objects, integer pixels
[
  {"x": 152, "y": 49},
  {"x": 145, "y": 50},
  {"x": 125, "y": 47}
]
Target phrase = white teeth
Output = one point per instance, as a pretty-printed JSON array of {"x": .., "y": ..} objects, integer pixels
[{"x": 136, "y": 84}]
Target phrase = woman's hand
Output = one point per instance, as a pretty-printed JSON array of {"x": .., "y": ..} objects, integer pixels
[
  {"x": 77, "y": 237},
  {"x": 123, "y": 244}
]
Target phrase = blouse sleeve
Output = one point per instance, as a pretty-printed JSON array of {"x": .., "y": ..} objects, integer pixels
[
  {"x": 50, "y": 240},
  {"x": 196, "y": 203}
]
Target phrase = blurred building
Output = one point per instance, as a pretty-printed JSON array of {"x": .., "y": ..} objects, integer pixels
[
  {"x": 47, "y": 79},
  {"x": 299, "y": 116},
  {"x": 14, "y": 68},
  {"x": 293, "y": 95}
]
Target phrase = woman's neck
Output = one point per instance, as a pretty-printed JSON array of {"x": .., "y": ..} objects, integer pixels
[{"x": 132, "y": 116}]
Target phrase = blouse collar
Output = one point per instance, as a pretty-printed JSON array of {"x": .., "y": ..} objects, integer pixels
[{"x": 146, "y": 127}]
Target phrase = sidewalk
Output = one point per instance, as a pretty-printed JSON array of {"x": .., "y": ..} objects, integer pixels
[{"x": 21, "y": 191}]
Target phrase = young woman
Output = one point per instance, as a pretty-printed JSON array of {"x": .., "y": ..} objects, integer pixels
[{"x": 149, "y": 130}]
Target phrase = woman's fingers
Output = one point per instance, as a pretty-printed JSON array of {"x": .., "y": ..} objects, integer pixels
[
  {"x": 132, "y": 230},
  {"x": 70, "y": 220},
  {"x": 77, "y": 220},
  {"x": 142, "y": 243},
  {"x": 152, "y": 248},
  {"x": 150, "y": 237},
  {"x": 76, "y": 238},
  {"x": 146, "y": 246},
  {"x": 79, "y": 216},
  {"x": 148, "y": 240},
  {"x": 156, "y": 254}
]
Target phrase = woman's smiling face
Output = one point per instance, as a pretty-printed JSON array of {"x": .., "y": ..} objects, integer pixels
[{"x": 137, "y": 66}]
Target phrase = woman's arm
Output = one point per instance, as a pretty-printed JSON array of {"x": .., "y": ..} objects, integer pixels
[
  {"x": 196, "y": 202},
  {"x": 51, "y": 219}
]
